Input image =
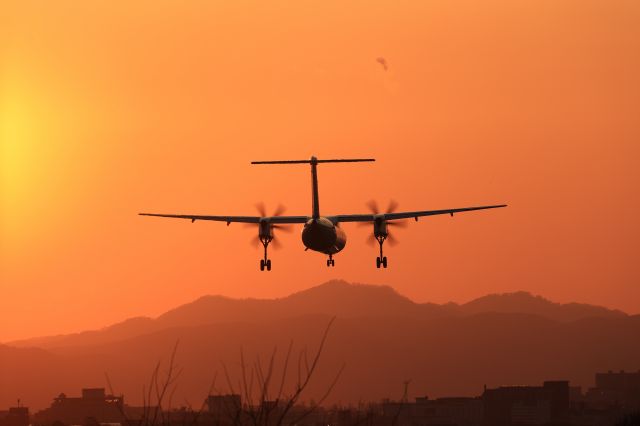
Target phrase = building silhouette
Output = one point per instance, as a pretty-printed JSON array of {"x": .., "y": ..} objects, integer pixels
[
  {"x": 621, "y": 389},
  {"x": 223, "y": 409},
  {"x": 15, "y": 416},
  {"x": 223, "y": 403},
  {"x": 527, "y": 405},
  {"x": 460, "y": 411},
  {"x": 94, "y": 404}
]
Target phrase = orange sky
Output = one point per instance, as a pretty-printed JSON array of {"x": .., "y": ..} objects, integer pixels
[{"x": 108, "y": 108}]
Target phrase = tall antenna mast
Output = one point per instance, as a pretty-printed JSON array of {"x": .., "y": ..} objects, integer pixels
[{"x": 405, "y": 395}]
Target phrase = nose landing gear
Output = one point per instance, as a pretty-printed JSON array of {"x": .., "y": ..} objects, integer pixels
[{"x": 330, "y": 261}]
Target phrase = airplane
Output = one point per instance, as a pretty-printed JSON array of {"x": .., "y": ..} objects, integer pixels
[{"x": 323, "y": 233}]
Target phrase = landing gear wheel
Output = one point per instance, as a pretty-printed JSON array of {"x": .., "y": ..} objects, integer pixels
[
  {"x": 269, "y": 265},
  {"x": 378, "y": 262},
  {"x": 384, "y": 262},
  {"x": 330, "y": 261},
  {"x": 262, "y": 264}
]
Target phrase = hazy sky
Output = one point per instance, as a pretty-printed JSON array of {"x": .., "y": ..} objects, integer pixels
[{"x": 108, "y": 108}]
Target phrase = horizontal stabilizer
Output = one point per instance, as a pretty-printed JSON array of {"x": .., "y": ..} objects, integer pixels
[{"x": 314, "y": 160}]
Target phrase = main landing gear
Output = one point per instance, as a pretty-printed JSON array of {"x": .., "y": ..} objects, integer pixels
[
  {"x": 266, "y": 262},
  {"x": 381, "y": 260},
  {"x": 330, "y": 261}
]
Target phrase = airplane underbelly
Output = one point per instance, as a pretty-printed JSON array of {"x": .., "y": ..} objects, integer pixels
[{"x": 323, "y": 236}]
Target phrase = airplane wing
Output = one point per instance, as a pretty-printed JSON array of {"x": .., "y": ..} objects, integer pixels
[
  {"x": 407, "y": 215},
  {"x": 229, "y": 219}
]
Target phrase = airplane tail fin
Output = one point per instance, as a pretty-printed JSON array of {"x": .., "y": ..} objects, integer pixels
[{"x": 315, "y": 202}]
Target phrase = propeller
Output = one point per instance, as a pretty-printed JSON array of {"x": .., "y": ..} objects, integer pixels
[
  {"x": 280, "y": 209},
  {"x": 373, "y": 206},
  {"x": 263, "y": 210},
  {"x": 392, "y": 207}
]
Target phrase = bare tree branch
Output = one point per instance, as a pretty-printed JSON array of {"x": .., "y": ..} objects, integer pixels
[{"x": 301, "y": 386}]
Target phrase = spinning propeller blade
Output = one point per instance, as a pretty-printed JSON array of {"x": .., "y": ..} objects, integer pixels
[
  {"x": 260, "y": 206},
  {"x": 391, "y": 207}
]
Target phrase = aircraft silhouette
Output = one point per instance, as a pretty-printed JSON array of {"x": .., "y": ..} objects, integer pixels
[{"x": 323, "y": 233}]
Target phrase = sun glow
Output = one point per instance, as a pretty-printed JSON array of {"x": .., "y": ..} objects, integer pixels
[
  {"x": 26, "y": 156},
  {"x": 17, "y": 133}
]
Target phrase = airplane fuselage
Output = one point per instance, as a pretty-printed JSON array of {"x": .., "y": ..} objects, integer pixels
[{"x": 323, "y": 236}]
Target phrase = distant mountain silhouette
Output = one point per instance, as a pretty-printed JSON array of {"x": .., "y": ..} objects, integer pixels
[
  {"x": 383, "y": 337},
  {"x": 336, "y": 297},
  {"x": 523, "y": 302},
  {"x": 122, "y": 330}
]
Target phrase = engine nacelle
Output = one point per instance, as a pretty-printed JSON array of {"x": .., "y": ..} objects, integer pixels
[
  {"x": 265, "y": 230},
  {"x": 380, "y": 228}
]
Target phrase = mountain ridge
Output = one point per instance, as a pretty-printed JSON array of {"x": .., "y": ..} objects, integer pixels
[{"x": 336, "y": 297}]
